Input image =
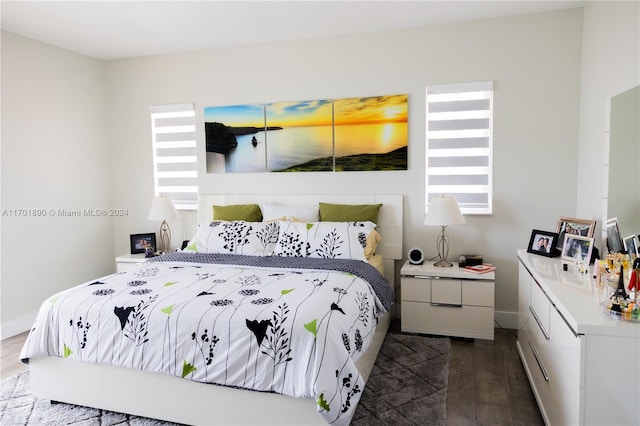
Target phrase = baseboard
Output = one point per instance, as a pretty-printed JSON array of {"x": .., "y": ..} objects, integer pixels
[
  {"x": 17, "y": 325},
  {"x": 505, "y": 319}
]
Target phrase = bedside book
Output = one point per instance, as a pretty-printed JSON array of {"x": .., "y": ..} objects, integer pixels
[{"x": 480, "y": 269}]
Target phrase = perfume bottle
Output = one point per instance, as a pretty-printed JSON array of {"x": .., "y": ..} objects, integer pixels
[{"x": 635, "y": 313}]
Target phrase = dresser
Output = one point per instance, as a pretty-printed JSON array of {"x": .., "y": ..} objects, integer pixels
[
  {"x": 447, "y": 301},
  {"x": 582, "y": 363}
]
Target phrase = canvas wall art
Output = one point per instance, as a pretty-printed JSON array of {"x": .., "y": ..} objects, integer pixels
[{"x": 352, "y": 134}]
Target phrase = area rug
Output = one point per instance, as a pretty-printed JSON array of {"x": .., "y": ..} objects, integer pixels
[{"x": 408, "y": 385}]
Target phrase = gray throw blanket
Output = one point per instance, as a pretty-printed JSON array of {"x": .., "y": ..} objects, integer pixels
[{"x": 363, "y": 270}]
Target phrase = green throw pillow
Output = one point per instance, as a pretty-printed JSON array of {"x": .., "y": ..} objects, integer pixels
[
  {"x": 349, "y": 212},
  {"x": 246, "y": 212}
]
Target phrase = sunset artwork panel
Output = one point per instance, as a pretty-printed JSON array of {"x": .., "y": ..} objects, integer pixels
[
  {"x": 371, "y": 133},
  {"x": 305, "y": 142},
  {"x": 352, "y": 134}
]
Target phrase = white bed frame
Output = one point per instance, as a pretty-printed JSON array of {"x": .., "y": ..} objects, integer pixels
[{"x": 173, "y": 399}]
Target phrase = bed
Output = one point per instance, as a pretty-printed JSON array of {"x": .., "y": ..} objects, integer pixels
[{"x": 266, "y": 332}]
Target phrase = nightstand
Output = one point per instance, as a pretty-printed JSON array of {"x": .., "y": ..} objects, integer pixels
[
  {"x": 447, "y": 301},
  {"x": 128, "y": 261}
]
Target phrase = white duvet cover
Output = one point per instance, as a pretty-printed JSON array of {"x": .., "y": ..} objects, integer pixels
[{"x": 254, "y": 323}]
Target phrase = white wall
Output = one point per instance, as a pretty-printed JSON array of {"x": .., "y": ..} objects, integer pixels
[
  {"x": 55, "y": 155},
  {"x": 610, "y": 65},
  {"x": 534, "y": 61}
]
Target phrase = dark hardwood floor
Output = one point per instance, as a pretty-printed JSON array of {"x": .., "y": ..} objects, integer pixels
[{"x": 487, "y": 383}]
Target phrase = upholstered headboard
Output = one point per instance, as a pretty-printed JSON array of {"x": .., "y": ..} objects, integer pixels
[{"x": 389, "y": 221}]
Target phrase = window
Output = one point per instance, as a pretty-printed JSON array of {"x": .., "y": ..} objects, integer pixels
[
  {"x": 175, "y": 165},
  {"x": 459, "y": 144}
]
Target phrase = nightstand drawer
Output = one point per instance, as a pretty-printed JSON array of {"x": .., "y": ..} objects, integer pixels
[
  {"x": 464, "y": 321},
  {"x": 416, "y": 289},
  {"x": 446, "y": 292},
  {"x": 478, "y": 293}
]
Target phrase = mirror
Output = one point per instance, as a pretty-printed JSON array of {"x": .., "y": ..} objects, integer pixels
[{"x": 623, "y": 199}]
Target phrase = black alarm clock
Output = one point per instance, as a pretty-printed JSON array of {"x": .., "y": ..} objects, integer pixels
[{"x": 416, "y": 256}]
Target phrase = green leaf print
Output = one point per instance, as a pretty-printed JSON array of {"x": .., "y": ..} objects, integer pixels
[
  {"x": 67, "y": 351},
  {"x": 168, "y": 309},
  {"x": 312, "y": 327},
  {"x": 283, "y": 292},
  {"x": 187, "y": 369},
  {"x": 323, "y": 403}
]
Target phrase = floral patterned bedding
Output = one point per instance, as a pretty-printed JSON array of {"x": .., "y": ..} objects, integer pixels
[{"x": 293, "y": 326}]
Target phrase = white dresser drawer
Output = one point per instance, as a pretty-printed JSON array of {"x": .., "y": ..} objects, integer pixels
[
  {"x": 567, "y": 349},
  {"x": 446, "y": 292},
  {"x": 563, "y": 356},
  {"x": 555, "y": 380},
  {"x": 524, "y": 295},
  {"x": 540, "y": 307},
  {"x": 415, "y": 289}
]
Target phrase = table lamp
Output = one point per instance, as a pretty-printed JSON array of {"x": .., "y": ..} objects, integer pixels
[
  {"x": 162, "y": 209},
  {"x": 443, "y": 211}
]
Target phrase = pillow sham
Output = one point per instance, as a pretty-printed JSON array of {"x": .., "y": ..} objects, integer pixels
[
  {"x": 246, "y": 212},
  {"x": 330, "y": 240},
  {"x": 271, "y": 211},
  {"x": 235, "y": 237},
  {"x": 349, "y": 212}
]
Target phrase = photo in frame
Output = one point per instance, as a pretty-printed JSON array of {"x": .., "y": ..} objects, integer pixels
[
  {"x": 577, "y": 248},
  {"x": 140, "y": 243},
  {"x": 543, "y": 243},
  {"x": 614, "y": 242},
  {"x": 573, "y": 226},
  {"x": 631, "y": 246}
]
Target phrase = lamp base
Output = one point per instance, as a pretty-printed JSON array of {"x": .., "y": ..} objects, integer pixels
[
  {"x": 443, "y": 264},
  {"x": 165, "y": 236}
]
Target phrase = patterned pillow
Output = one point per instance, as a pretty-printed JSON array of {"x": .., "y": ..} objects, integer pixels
[
  {"x": 331, "y": 240},
  {"x": 235, "y": 237}
]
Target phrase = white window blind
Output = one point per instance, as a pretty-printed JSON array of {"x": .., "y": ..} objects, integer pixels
[
  {"x": 459, "y": 144},
  {"x": 175, "y": 166}
]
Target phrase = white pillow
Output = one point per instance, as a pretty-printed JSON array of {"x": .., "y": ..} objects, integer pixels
[
  {"x": 331, "y": 240},
  {"x": 272, "y": 211},
  {"x": 235, "y": 237}
]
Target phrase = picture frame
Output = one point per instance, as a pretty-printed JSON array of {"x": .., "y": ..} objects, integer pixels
[
  {"x": 577, "y": 248},
  {"x": 574, "y": 226},
  {"x": 614, "y": 241},
  {"x": 543, "y": 243},
  {"x": 139, "y": 242},
  {"x": 631, "y": 246}
]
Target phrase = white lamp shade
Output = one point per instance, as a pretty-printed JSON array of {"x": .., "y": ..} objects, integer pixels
[
  {"x": 162, "y": 209},
  {"x": 443, "y": 211}
]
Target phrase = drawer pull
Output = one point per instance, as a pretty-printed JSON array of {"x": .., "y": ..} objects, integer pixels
[
  {"x": 535, "y": 316},
  {"x": 446, "y": 305},
  {"x": 540, "y": 366}
]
